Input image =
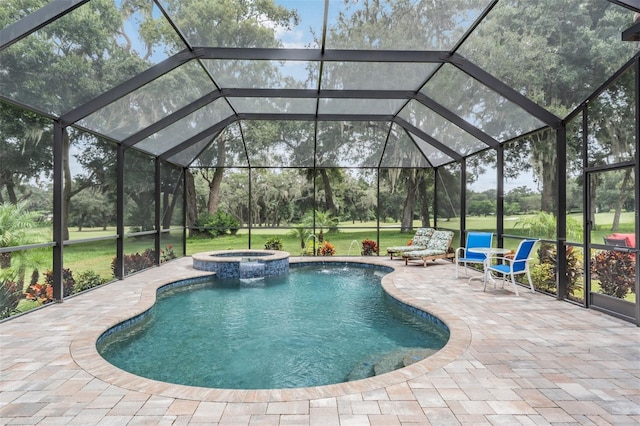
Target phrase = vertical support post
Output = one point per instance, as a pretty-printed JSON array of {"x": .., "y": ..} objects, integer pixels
[
  {"x": 158, "y": 209},
  {"x": 436, "y": 175},
  {"x": 637, "y": 184},
  {"x": 463, "y": 200},
  {"x": 561, "y": 211},
  {"x": 119, "y": 272},
  {"x": 250, "y": 207},
  {"x": 500, "y": 194},
  {"x": 184, "y": 210},
  {"x": 586, "y": 208},
  {"x": 378, "y": 212},
  {"x": 58, "y": 210}
]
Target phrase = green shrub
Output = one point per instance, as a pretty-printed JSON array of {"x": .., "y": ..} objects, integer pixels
[
  {"x": 273, "y": 243},
  {"x": 217, "y": 224},
  {"x": 88, "y": 279}
]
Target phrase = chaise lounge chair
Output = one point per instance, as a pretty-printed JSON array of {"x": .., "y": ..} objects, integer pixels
[
  {"x": 419, "y": 242},
  {"x": 437, "y": 248}
]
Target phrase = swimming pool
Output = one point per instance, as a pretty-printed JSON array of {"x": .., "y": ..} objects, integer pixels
[{"x": 302, "y": 329}]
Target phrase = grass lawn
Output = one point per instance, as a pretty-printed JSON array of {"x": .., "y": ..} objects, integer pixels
[{"x": 98, "y": 255}]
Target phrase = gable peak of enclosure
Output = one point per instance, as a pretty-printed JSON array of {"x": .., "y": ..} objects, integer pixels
[{"x": 319, "y": 83}]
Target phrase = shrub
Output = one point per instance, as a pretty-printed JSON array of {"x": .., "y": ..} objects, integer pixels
[
  {"x": 40, "y": 293},
  {"x": 135, "y": 262},
  {"x": 369, "y": 247},
  {"x": 327, "y": 249},
  {"x": 218, "y": 223},
  {"x": 273, "y": 243},
  {"x": 167, "y": 254},
  {"x": 616, "y": 272},
  {"x": 67, "y": 280},
  {"x": 88, "y": 279},
  {"x": 10, "y": 296}
]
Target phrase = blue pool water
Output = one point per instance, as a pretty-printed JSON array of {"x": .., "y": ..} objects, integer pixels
[{"x": 313, "y": 326}]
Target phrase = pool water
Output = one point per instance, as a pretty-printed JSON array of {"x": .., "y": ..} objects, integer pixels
[{"x": 311, "y": 327}]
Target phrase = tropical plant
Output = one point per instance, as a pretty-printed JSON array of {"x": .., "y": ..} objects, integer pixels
[
  {"x": 543, "y": 225},
  {"x": 616, "y": 272},
  {"x": 68, "y": 283},
  {"x": 10, "y": 296},
  {"x": 323, "y": 219},
  {"x": 369, "y": 247},
  {"x": 135, "y": 262},
  {"x": 273, "y": 243},
  {"x": 15, "y": 220},
  {"x": 86, "y": 280},
  {"x": 326, "y": 249},
  {"x": 40, "y": 293},
  {"x": 167, "y": 254},
  {"x": 301, "y": 232}
]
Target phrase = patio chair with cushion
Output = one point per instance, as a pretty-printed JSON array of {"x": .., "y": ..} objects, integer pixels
[
  {"x": 474, "y": 240},
  {"x": 517, "y": 265},
  {"x": 438, "y": 247},
  {"x": 418, "y": 242}
]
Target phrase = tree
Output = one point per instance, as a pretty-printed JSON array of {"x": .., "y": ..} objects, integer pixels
[
  {"x": 25, "y": 150},
  {"x": 569, "y": 54}
]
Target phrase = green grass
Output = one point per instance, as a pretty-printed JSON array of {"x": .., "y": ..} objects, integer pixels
[{"x": 97, "y": 256}]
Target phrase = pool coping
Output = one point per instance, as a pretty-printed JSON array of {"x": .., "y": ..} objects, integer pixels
[{"x": 84, "y": 351}]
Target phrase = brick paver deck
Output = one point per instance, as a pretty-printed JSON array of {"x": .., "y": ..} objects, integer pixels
[{"x": 510, "y": 360}]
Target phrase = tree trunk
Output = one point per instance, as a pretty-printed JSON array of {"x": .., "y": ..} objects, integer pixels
[
  {"x": 406, "y": 224},
  {"x": 424, "y": 203},
  {"x": 218, "y": 174},
  {"x": 624, "y": 195},
  {"x": 11, "y": 193},
  {"x": 328, "y": 193},
  {"x": 192, "y": 210}
]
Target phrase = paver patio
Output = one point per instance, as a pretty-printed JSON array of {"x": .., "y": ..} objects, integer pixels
[{"x": 510, "y": 360}]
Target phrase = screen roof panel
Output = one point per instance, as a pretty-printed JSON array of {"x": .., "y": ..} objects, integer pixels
[
  {"x": 185, "y": 128},
  {"x": 550, "y": 56},
  {"x": 262, "y": 74},
  {"x": 400, "y": 25},
  {"x": 401, "y": 151},
  {"x": 289, "y": 24},
  {"x": 375, "y": 75},
  {"x": 350, "y": 143},
  {"x": 360, "y": 106},
  {"x": 440, "y": 129},
  {"x": 479, "y": 105},
  {"x": 225, "y": 150},
  {"x": 65, "y": 56},
  {"x": 274, "y": 105},
  {"x": 433, "y": 154},
  {"x": 151, "y": 102},
  {"x": 279, "y": 143}
]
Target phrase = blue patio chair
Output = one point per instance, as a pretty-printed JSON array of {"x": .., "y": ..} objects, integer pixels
[
  {"x": 516, "y": 266},
  {"x": 474, "y": 240}
]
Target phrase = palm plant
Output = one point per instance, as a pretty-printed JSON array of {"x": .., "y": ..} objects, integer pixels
[{"x": 15, "y": 220}]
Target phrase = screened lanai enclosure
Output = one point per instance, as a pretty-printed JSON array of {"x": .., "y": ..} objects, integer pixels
[{"x": 134, "y": 132}]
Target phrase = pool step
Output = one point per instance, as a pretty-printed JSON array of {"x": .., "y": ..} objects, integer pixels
[{"x": 384, "y": 363}]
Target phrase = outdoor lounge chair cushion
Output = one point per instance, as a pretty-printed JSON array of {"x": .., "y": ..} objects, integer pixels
[
  {"x": 437, "y": 248},
  {"x": 629, "y": 238},
  {"x": 419, "y": 242}
]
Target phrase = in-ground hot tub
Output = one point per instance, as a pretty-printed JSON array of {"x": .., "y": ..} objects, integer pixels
[{"x": 243, "y": 263}]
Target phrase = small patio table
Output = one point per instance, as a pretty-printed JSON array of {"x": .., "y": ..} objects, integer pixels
[{"x": 488, "y": 252}]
